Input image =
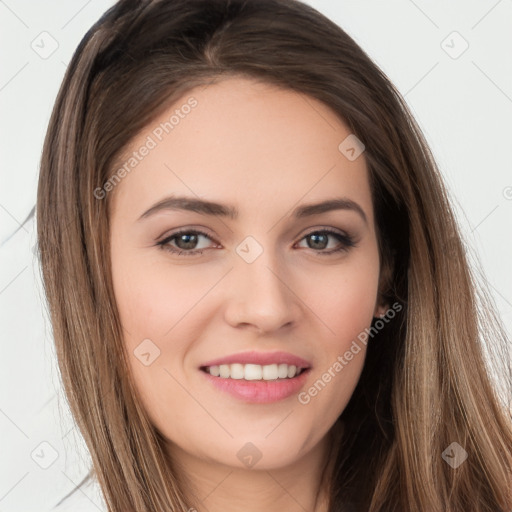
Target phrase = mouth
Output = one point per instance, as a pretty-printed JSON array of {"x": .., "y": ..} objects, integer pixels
[
  {"x": 254, "y": 372},
  {"x": 255, "y": 377}
]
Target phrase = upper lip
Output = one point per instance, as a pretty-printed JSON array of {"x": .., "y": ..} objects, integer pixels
[{"x": 261, "y": 358}]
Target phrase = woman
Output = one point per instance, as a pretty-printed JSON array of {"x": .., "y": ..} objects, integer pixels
[{"x": 259, "y": 293}]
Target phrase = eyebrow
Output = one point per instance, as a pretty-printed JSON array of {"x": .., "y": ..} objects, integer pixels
[{"x": 204, "y": 207}]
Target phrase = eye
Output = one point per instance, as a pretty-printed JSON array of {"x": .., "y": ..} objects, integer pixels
[
  {"x": 186, "y": 242},
  {"x": 320, "y": 241}
]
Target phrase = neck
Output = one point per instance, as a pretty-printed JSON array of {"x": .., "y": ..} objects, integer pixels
[{"x": 216, "y": 487}]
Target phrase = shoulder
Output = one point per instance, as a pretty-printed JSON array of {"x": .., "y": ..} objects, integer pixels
[{"x": 86, "y": 497}]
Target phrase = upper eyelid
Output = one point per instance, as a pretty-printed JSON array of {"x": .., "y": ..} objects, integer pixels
[{"x": 204, "y": 232}]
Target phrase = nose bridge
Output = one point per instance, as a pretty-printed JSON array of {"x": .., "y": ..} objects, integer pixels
[{"x": 261, "y": 293}]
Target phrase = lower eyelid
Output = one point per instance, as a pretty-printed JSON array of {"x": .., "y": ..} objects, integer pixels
[
  {"x": 166, "y": 242},
  {"x": 345, "y": 240}
]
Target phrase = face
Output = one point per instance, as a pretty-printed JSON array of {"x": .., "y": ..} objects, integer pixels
[{"x": 238, "y": 296}]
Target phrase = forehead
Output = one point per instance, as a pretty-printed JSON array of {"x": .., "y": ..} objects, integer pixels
[{"x": 244, "y": 142}]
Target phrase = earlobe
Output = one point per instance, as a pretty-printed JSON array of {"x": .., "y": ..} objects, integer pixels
[
  {"x": 385, "y": 284},
  {"x": 380, "y": 311}
]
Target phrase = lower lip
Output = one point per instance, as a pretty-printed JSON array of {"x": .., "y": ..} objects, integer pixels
[{"x": 259, "y": 391}]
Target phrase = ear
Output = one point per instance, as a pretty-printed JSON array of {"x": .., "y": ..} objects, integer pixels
[
  {"x": 380, "y": 310},
  {"x": 385, "y": 285}
]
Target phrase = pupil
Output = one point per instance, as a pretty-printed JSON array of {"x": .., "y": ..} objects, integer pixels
[
  {"x": 190, "y": 241},
  {"x": 316, "y": 237}
]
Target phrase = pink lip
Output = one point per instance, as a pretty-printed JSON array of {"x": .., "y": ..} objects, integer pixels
[
  {"x": 262, "y": 358},
  {"x": 259, "y": 391}
]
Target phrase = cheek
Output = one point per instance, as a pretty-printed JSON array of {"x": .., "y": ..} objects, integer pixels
[
  {"x": 162, "y": 314},
  {"x": 157, "y": 305},
  {"x": 344, "y": 300},
  {"x": 152, "y": 298},
  {"x": 345, "y": 303}
]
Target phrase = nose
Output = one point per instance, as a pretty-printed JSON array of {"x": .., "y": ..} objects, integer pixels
[{"x": 261, "y": 296}]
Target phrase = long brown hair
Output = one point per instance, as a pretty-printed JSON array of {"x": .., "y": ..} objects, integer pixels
[{"x": 427, "y": 379}]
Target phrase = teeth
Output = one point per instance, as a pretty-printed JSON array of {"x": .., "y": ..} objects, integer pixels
[
  {"x": 236, "y": 371},
  {"x": 282, "y": 371},
  {"x": 270, "y": 372},
  {"x": 254, "y": 371}
]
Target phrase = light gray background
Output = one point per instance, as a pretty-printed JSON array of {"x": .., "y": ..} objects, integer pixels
[{"x": 463, "y": 104}]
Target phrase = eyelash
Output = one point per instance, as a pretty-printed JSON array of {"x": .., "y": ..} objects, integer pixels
[{"x": 347, "y": 242}]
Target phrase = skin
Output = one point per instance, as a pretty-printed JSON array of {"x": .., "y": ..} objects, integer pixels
[{"x": 266, "y": 151}]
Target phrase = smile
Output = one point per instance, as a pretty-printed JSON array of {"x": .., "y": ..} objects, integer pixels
[{"x": 253, "y": 372}]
